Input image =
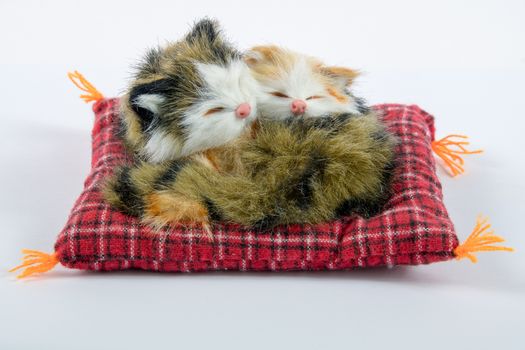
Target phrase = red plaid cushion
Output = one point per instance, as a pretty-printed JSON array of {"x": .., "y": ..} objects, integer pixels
[{"x": 413, "y": 229}]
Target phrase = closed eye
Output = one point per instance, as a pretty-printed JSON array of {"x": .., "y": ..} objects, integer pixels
[
  {"x": 315, "y": 97},
  {"x": 279, "y": 94},
  {"x": 213, "y": 110}
]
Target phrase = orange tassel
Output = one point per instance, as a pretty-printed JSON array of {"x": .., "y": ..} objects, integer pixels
[
  {"x": 479, "y": 240},
  {"x": 450, "y": 152},
  {"x": 34, "y": 262},
  {"x": 80, "y": 82}
]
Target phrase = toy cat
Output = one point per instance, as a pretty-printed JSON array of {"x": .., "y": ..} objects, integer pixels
[
  {"x": 299, "y": 85},
  {"x": 188, "y": 97}
]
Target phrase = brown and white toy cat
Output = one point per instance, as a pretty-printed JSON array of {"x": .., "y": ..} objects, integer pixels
[{"x": 299, "y": 85}]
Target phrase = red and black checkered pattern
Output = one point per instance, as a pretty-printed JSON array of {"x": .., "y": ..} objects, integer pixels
[{"x": 413, "y": 229}]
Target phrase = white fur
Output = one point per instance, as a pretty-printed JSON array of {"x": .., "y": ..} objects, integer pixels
[
  {"x": 150, "y": 102},
  {"x": 301, "y": 82},
  {"x": 226, "y": 87},
  {"x": 161, "y": 147}
]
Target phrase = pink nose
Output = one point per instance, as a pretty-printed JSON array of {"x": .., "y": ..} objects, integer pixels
[
  {"x": 243, "y": 110},
  {"x": 298, "y": 107}
]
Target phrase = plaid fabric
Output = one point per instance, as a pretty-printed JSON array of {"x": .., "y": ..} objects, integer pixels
[{"x": 413, "y": 229}]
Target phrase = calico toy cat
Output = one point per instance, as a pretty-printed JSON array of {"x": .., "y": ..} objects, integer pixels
[
  {"x": 186, "y": 98},
  {"x": 186, "y": 102}
]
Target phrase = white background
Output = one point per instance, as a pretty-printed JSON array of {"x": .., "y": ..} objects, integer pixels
[{"x": 463, "y": 61}]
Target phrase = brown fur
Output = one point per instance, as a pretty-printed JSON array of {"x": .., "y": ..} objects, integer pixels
[
  {"x": 338, "y": 96},
  {"x": 162, "y": 208},
  {"x": 295, "y": 171}
]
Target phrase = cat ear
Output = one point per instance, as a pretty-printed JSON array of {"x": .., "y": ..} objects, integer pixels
[
  {"x": 258, "y": 54},
  {"x": 341, "y": 75},
  {"x": 150, "y": 64},
  {"x": 205, "y": 29},
  {"x": 252, "y": 57},
  {"x": 146, "y": 100}
]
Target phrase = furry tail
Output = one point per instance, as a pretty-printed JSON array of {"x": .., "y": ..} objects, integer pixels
[
  {"x": 159, "y": 194},
  {"x": 129, "y": 186},
  {"x": 121, "y": 192}
]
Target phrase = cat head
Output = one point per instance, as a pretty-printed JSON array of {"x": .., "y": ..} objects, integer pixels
[
  {"x": 192, "y": 95},
  {"x": 300, "y": 85}
]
